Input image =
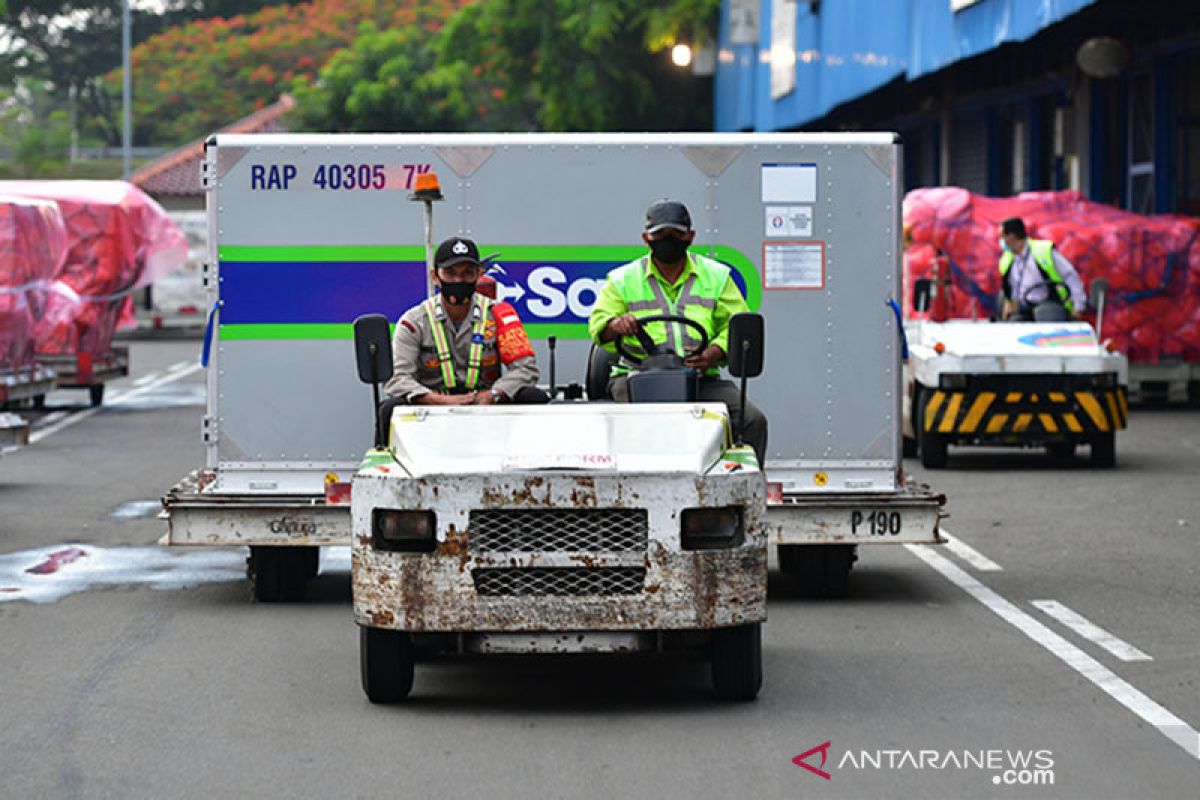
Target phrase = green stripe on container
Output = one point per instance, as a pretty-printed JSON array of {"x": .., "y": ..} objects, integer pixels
[{"x": 233, "y": 333}]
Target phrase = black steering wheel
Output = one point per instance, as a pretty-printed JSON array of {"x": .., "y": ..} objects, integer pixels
[
  {"x": 1057, "y": 292},
  {"x": 649, "y": 345}
]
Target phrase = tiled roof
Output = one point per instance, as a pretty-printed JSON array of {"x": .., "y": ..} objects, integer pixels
[{"x": 178, "y": 172}]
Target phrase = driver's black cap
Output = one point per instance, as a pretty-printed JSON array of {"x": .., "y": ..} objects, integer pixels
[
  {"x": 456, "y": 250},
  {"x": 667, "y": 214}
]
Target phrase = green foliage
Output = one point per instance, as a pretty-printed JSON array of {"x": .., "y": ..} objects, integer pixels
[
  {"x": 385, "y": 81},
  {"x": 587, "y": 65},
  {"x": 36, "y": 136}
]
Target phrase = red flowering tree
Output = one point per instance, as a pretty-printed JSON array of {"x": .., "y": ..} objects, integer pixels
[{"x": 193, "y": 79}]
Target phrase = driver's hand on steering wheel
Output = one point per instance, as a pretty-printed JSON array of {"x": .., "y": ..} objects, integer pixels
[
  {"x": 709, "y": 359},
  {"x": 624, "y": 325}
]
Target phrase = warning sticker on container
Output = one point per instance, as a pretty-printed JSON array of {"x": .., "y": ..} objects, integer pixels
[
  {"x": 789, "y": 221},
  {"x": 794, "y": 265}
]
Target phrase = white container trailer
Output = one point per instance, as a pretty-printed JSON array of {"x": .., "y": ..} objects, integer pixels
[{"x": 308, "y": 232}]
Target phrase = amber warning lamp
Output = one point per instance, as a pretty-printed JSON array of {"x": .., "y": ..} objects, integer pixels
[{"x": 426, "y": 187}]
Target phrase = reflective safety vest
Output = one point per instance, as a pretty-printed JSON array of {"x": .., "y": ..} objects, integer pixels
[
  {"x": 482, "y": 306},
  {"x": 1043, "y": 255},
  {"x": 644, "y": 297}
]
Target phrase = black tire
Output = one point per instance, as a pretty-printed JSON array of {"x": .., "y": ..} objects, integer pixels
[
  {"x": 932, "y": 446},
  {"x": 39, "y": 401},
  {"x": 1061, "y": 450},
  {"x": 278, "y": 574},
  {"x": 820, "y": 570},
  {"x": 909, "y": 447},
  {"x": 1193, "y": 394},
  {"x": 386, "y": 658},
  {"x": 312, "y": 561},
  {"x": 96, "y": 393},
  {"x": 1104, "y": 450},
  {"x": 737, "y": 662}
]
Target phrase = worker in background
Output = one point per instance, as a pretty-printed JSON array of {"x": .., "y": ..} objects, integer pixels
[
  {"x": 460, "y": 347},
  {"x": 670, "y": 280},
  {"x": 1027, "y": 266}
]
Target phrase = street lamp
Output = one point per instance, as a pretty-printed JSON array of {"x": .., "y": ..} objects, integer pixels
[{"x": 126, "y": 90}]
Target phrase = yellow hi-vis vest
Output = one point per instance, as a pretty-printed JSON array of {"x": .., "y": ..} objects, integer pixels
[
  {"x": 442, "y": 343},
  {"x": 1043, "y": 255},
  {"x": 645, "y": 297}
]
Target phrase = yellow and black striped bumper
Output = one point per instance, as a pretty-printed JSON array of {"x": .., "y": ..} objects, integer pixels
[{"x": 1000, "y": 415}]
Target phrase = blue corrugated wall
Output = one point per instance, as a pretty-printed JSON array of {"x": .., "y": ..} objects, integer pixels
[{"x": 852, "y": 47}]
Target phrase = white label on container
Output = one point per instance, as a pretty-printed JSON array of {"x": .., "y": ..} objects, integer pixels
[
  {"x": 794, "y": 265},
  {"x": 789, "y": 183},
  {"x": 790, "y": 221}
]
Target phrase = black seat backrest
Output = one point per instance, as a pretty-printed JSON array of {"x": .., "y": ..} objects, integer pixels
[{"x": 599, "y": 365}]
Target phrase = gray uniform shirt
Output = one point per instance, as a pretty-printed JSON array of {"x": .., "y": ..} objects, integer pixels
[
  {"x": 1024, "y": 275},
  {"x": 417, "y": 370}
]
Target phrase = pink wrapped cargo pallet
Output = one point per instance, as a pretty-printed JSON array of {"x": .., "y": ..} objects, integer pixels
[
  {"x": 118, "y": 240},
  {"x": 32, "y": 245},
  {"x": 1152, "y": 263}
]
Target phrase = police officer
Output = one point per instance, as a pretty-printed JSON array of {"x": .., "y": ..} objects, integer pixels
[
  {"x": 1026, "y": 266},
  {"x": 460, "y": 347},
  {"x": 670, "y": 280}
]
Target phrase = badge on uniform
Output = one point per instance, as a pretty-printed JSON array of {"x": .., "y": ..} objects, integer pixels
[{"x": 477, "y": 338}]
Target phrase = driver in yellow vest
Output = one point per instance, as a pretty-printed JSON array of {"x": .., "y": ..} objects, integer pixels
[
  {"x": 1027, "y": 266},
  {"x": 460, "y": 347},
  {"x": 670, "y": 280}
]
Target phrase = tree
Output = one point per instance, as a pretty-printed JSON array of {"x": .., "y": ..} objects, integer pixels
[
  {"x": 68, "y": 46},
  {"x": 587, "y": 64},
  {"x": 209, "y": 73},
  {"x": 35, "y": 135}
]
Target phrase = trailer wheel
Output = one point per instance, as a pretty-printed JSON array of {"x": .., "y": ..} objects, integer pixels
[
  {"x": 312, "y": 561},
  {"x": 386, "y": 658},
  {"x": 279, "y": 574},
  {"x": 39, "y": 401},
  {"x": 1193, "y": 394},
  {"x": 910, "y": 447},
  {"x": 821, "y": 570},
  {"x": 931, "y": 445},
  {"x": 737, "y": 662},
  {"x": 1104, "y": 450},
  {"x": 96, "y": 393}
]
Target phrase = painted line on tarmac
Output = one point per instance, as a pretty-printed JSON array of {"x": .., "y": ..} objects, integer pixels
[
  {"x": 83, "y": 414},
  {"x": 142, "y": 381},
  {"x": 1091, "y": 631},
  {"x": 969, "y": 554},
  {"x": 49, "y": 419},
  {"x": 1105, "y": 679},
  {"x": 179, "y": 365}
]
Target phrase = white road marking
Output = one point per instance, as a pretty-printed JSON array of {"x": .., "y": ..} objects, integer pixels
[
  {"x": 142, "y": 381},
  {"x": 49, "y": 419},
  {"x": 48, "y": 574},
  {"x": 178, "y": 365},
  {"x": 79, "y": 416},
  {"x": 1105, "y": 679},
  {"x": 1090, "y": 631},
  {"x": 969, "y": 554}
]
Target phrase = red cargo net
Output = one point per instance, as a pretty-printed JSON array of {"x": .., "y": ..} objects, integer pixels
[{"x": 1152, "y": 263}]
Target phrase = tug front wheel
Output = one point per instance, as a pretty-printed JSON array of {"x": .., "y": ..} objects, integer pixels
[
  {"x": 387, "y": 659},
  {"x": 737, "y": 662}
]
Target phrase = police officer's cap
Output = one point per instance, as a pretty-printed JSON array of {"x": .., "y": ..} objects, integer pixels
[
  {"x": 456, "y": 250},
  {"x": 667, "y": 214}
]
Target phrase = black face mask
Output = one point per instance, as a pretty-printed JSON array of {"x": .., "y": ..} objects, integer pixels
[
  {"x": 458, "y": 293},
  {"x": 668, "y": 250}
]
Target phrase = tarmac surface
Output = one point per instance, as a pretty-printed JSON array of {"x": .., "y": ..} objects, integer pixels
[{"x": 1058, "y": 639}]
